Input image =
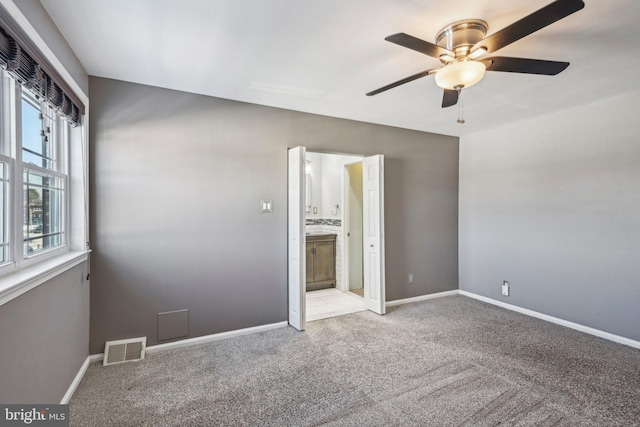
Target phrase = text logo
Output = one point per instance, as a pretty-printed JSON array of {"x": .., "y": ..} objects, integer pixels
[{"x": 35, "y": 415}]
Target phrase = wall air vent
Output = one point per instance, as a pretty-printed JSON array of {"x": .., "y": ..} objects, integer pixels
[{"x": 129, "y": 350}]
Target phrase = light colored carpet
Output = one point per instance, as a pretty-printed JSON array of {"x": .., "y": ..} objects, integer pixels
[{"x": 450, "y": 361}]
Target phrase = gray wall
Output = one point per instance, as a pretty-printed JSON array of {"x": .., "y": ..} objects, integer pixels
[
  {"x": 44, "y": 336},
  {"x": 176, "y": 184},
  {"x": 553, "y": 205},
  {"x": 47, "y": 29}
]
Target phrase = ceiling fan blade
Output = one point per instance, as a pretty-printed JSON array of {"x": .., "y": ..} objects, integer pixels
[
  {"x": 419, "y": 45},
  {"x": 450, "y": 98},
  {"x": 524, "y": 65},
  {"x": 403, "y": 81},
  {"x": 546, "y": 16}
]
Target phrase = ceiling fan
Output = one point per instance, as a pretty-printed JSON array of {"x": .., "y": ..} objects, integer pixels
[{"x": 461, "y": 46}]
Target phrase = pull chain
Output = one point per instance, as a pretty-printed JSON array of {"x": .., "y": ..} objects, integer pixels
[{"x": 460, "y": 108}]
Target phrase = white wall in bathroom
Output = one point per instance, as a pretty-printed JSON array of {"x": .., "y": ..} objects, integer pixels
[
  {"x": 332, "y": 170},
  {"x": 316, "y": 183}
]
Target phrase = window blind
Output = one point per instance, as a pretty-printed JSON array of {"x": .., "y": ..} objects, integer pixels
[{"x": 20, "y": 57}]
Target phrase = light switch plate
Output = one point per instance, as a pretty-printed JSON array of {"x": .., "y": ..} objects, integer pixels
[{"x": 266, "y": 206}]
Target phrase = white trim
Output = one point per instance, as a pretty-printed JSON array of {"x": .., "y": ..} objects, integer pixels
[
  {"x": 96, "y": 358},
  {"x": 215, "y": 337},
  {"x": 35, "y": 37},
  {"x": 76, "y": 381},
  {"x": 422, "y": 298},
  {"x": 203, "y": 339},
  {"x": 17, "y": 283},
  {"x": 578, "y": 327}
]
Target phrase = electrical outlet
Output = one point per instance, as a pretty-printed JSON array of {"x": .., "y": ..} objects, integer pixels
[
  {"x": 505, "y": 288},
  {"x": 410, "y": 278}
]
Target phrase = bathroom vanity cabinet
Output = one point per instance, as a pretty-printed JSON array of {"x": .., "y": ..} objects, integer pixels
[{"x": 321, "y": 261}]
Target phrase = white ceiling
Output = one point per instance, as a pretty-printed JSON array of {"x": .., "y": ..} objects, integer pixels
[{"x": 322, "y": 56}]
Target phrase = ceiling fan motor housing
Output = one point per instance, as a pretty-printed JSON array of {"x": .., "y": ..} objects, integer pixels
[
  {"x": 460, "y": 46},
  {"x": 461, "y": 36}
]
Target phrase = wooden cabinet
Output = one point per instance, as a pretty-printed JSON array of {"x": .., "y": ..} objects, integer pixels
[{"x": 321, "y": 261}]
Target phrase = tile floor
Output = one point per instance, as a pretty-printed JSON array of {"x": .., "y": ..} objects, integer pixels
[{"x": 327, "y": 303}]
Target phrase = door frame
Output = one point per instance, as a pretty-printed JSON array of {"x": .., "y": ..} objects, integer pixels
[
  {"x": 296, "y": 237},
  {"x": 346, "y": 183},
  {"x": 296, "y": 274}
]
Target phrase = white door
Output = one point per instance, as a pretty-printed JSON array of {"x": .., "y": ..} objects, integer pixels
[
  {"x": 296, "y": 236},
  {"x": 373, "y": 232}
]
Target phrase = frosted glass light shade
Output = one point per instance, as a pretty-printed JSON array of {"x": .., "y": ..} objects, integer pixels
[{"x": 462, "y": 73}]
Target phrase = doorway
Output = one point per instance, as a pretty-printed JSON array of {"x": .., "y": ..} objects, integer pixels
[
  {"x": 353, "y": 215},
  {"x": 371, "y": 268}
]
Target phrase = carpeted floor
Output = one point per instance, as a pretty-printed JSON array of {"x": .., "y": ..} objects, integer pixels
[{"x": 450, "y": 361}]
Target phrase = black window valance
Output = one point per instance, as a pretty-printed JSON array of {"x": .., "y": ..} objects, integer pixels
[{"x": 20, "y": 57}]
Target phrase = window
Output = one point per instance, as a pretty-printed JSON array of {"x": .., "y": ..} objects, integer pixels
[
  {"x": 43, "y": 163},
  {"x": 34, "y": 177},
  {"x": 43, "y": 213},
  {"x": 37, "y": 141},
  {"x": 43, "y": 176}
]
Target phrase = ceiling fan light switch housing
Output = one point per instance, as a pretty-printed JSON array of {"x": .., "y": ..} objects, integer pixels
[{"x": 460, "y": 36}]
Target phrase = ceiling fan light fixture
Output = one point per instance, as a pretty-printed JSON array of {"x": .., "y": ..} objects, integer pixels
[{"x": 461, "y": 74}]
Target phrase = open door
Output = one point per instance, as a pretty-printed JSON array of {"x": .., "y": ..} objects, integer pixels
[
  {"x": 373, "y": 232},
  {"x": 296, "y": 236}
]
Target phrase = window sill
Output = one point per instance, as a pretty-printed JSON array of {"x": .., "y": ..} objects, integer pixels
[{"x": 15, "y": 284}]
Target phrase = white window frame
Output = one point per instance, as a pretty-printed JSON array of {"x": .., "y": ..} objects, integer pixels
[
  {"x": 11, "y": 153},
  {"x": 8, "y": 214},
  {"x": 12, "y": 96},
  {"x": 60, "y": 149},
  {"x": 7, "y": 153},
  {"x": 28, "y": 258},
  {"x": 19, "y": 278}
]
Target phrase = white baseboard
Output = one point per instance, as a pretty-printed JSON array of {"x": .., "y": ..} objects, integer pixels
[
  {"x": 203, "y": 339},
  {"x": 556, "y": 320},
  {"x": 96, "y": 357},
  {"x": 76, "y": 381},
  {"x": 215, "y": 337},
  {"x": 421, "y": 298}
]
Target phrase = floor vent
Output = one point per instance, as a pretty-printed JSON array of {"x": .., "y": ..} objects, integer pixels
[{"x": 120, "y": 351}]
